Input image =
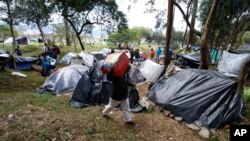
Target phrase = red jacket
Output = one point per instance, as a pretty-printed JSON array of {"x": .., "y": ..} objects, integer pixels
[{"x": 152, "y": 54}]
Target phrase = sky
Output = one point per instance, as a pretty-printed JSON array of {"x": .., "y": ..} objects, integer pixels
[{"x": 137, "y": 17}]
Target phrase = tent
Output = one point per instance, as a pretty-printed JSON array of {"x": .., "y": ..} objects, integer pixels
[
  {"x": 82, "y": 58},
  {"x": 22, "y": 62},
  {"x": 94, "y": 88},
  {"x": 202, "y": 97},
  {"x": 20, "y": 40},
  {"x": 193, "y": 60},
  {"x": 64, "y": 80}
]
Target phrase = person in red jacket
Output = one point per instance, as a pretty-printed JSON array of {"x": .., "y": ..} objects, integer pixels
[{"x": 152, "y": 54}]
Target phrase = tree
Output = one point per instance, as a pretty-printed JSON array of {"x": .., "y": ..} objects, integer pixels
[
  {"x": 145, "y": 33},
  {"x": 169, "y": 31},
  {"x": 235, "y": 16},
  {"x": 126, "y": 36},
  {"x": 203, "y": 48},
  {"x": 35, "y": 12},
  {"x": 246, "y": 37},
  {"x": 5, "y": 32},
  {"x": 191, "y": 37},
  {"x": 67, "y": 32},
  {"x": 59, "y": 30},
  {"x": 83, "y": 14},
  {"x": 8, "y": 7}
]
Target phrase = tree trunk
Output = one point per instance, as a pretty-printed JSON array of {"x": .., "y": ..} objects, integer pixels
[
  {"x": 77, "y": 34},
  {"x": 203, "y": 49},
  {"x": 41, "y": 31},
  {"x": 11, "y": 26},
  {"x": 168, "y": 32},
  {"x": 191, "y": 32},
  {"x": 67, "y": 33}
]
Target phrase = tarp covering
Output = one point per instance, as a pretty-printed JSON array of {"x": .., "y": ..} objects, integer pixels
[
  {"x": 24, "y": 59},
  {"x": 231, "y": 63},
  {"x": 98, "y": 55},
  {"x": 87, "y": 59},
  {"x": 65, "y": 79},
  {"x": 22, "y": 62},
  {"x": 94, "y": 88},
  {"x": 203, "y": 97},
  {"x": 66, "y": 59},
  {"x": 191, "y": 61}
]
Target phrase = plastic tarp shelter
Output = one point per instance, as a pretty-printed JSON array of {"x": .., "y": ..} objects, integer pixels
[
  {"x": 87, "y": 59},
  {"x": 65, "y": 79},
  {"x": 206, "y": 98},
  {"x": 193, "y": 60},
  {"x": 66, "y": 59},
  {"x": 98, "y": 55},
  {"x": 22, "y": 62},
  {"x": 94, "y": 88}
]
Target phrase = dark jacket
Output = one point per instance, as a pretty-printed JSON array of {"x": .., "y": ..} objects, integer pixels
[{"x": 120, "y": 86}]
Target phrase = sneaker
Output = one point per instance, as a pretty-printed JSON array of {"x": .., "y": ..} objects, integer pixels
[
  {"x": 106, "y": 116},
  {"x": 130, "y": 123}
]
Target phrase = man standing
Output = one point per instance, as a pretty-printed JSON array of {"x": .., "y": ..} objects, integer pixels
[
  {"x": 152, "y": 54},
  {"x": 158, "y": 53},
  {"x": 119, "y": 95}
]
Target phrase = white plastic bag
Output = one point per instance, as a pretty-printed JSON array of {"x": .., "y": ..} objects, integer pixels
[{"x": 150, "y": 70}]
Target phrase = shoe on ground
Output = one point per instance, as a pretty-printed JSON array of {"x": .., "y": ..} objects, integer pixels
[
  {"x": 106, "y": 116},
  {"x": 130, "y": 123}
]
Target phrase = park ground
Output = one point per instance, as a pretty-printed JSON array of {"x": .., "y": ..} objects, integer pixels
[{"x": 26, "y": 115}]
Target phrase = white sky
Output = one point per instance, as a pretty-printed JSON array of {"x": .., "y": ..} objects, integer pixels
[{"x": 137, "y": 17}]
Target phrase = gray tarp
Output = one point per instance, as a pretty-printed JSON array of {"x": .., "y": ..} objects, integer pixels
[
  {"x": 202, "y": 97},
  {"x": 94, "y": 88},
  {"x": 65, "y": 79}
]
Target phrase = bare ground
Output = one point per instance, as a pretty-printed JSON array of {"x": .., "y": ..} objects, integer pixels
[{"x": 46, "y": 117}]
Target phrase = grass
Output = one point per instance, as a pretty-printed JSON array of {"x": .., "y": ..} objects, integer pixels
[
  {"x": 48, "y": 117},
  {"x": 246, "y": 95}
]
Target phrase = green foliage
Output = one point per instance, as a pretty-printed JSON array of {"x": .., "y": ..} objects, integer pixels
[
  {"x": 34, "y": 11},
  {"x": 246, "y": 95},
  {"x": 126, "y": 36},
  {"x": 228, "y": 21},
  {"x": 5, "y": 32},
  {"x": 246, "y": 37},
  {"x": 59, "y": 30},
  {"x": 83, "y": 14}
]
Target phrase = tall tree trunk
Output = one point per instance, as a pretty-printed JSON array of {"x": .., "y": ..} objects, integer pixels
[
  {"x": 203, "y": 49},
  {"x": 168, "y": 32},
  {"x": 77, "y": 34},
  {"x": 41, "y": 31},
  {"x": 67, "y": 33},
  {"x": 11, "y": 26},
  {"x": 191, "y": 32}
]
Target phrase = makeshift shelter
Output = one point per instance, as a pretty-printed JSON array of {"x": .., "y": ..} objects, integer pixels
[
  {"x": 64, "y": 80},
  {"x": 94, "y": 88},
  {"x": 83, "y": 58},
  {"x": 98, "y": 55},
  {"x": 206, "y": 98},
  {"x": 4, "y": 57},
  {"x": 193, "y": 60},
  {"x": 20, "y": 40},
  {"x": 21, "y": 62}
]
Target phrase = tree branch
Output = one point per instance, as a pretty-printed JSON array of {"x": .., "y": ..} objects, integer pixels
[{"x": 185, "y": 17}]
